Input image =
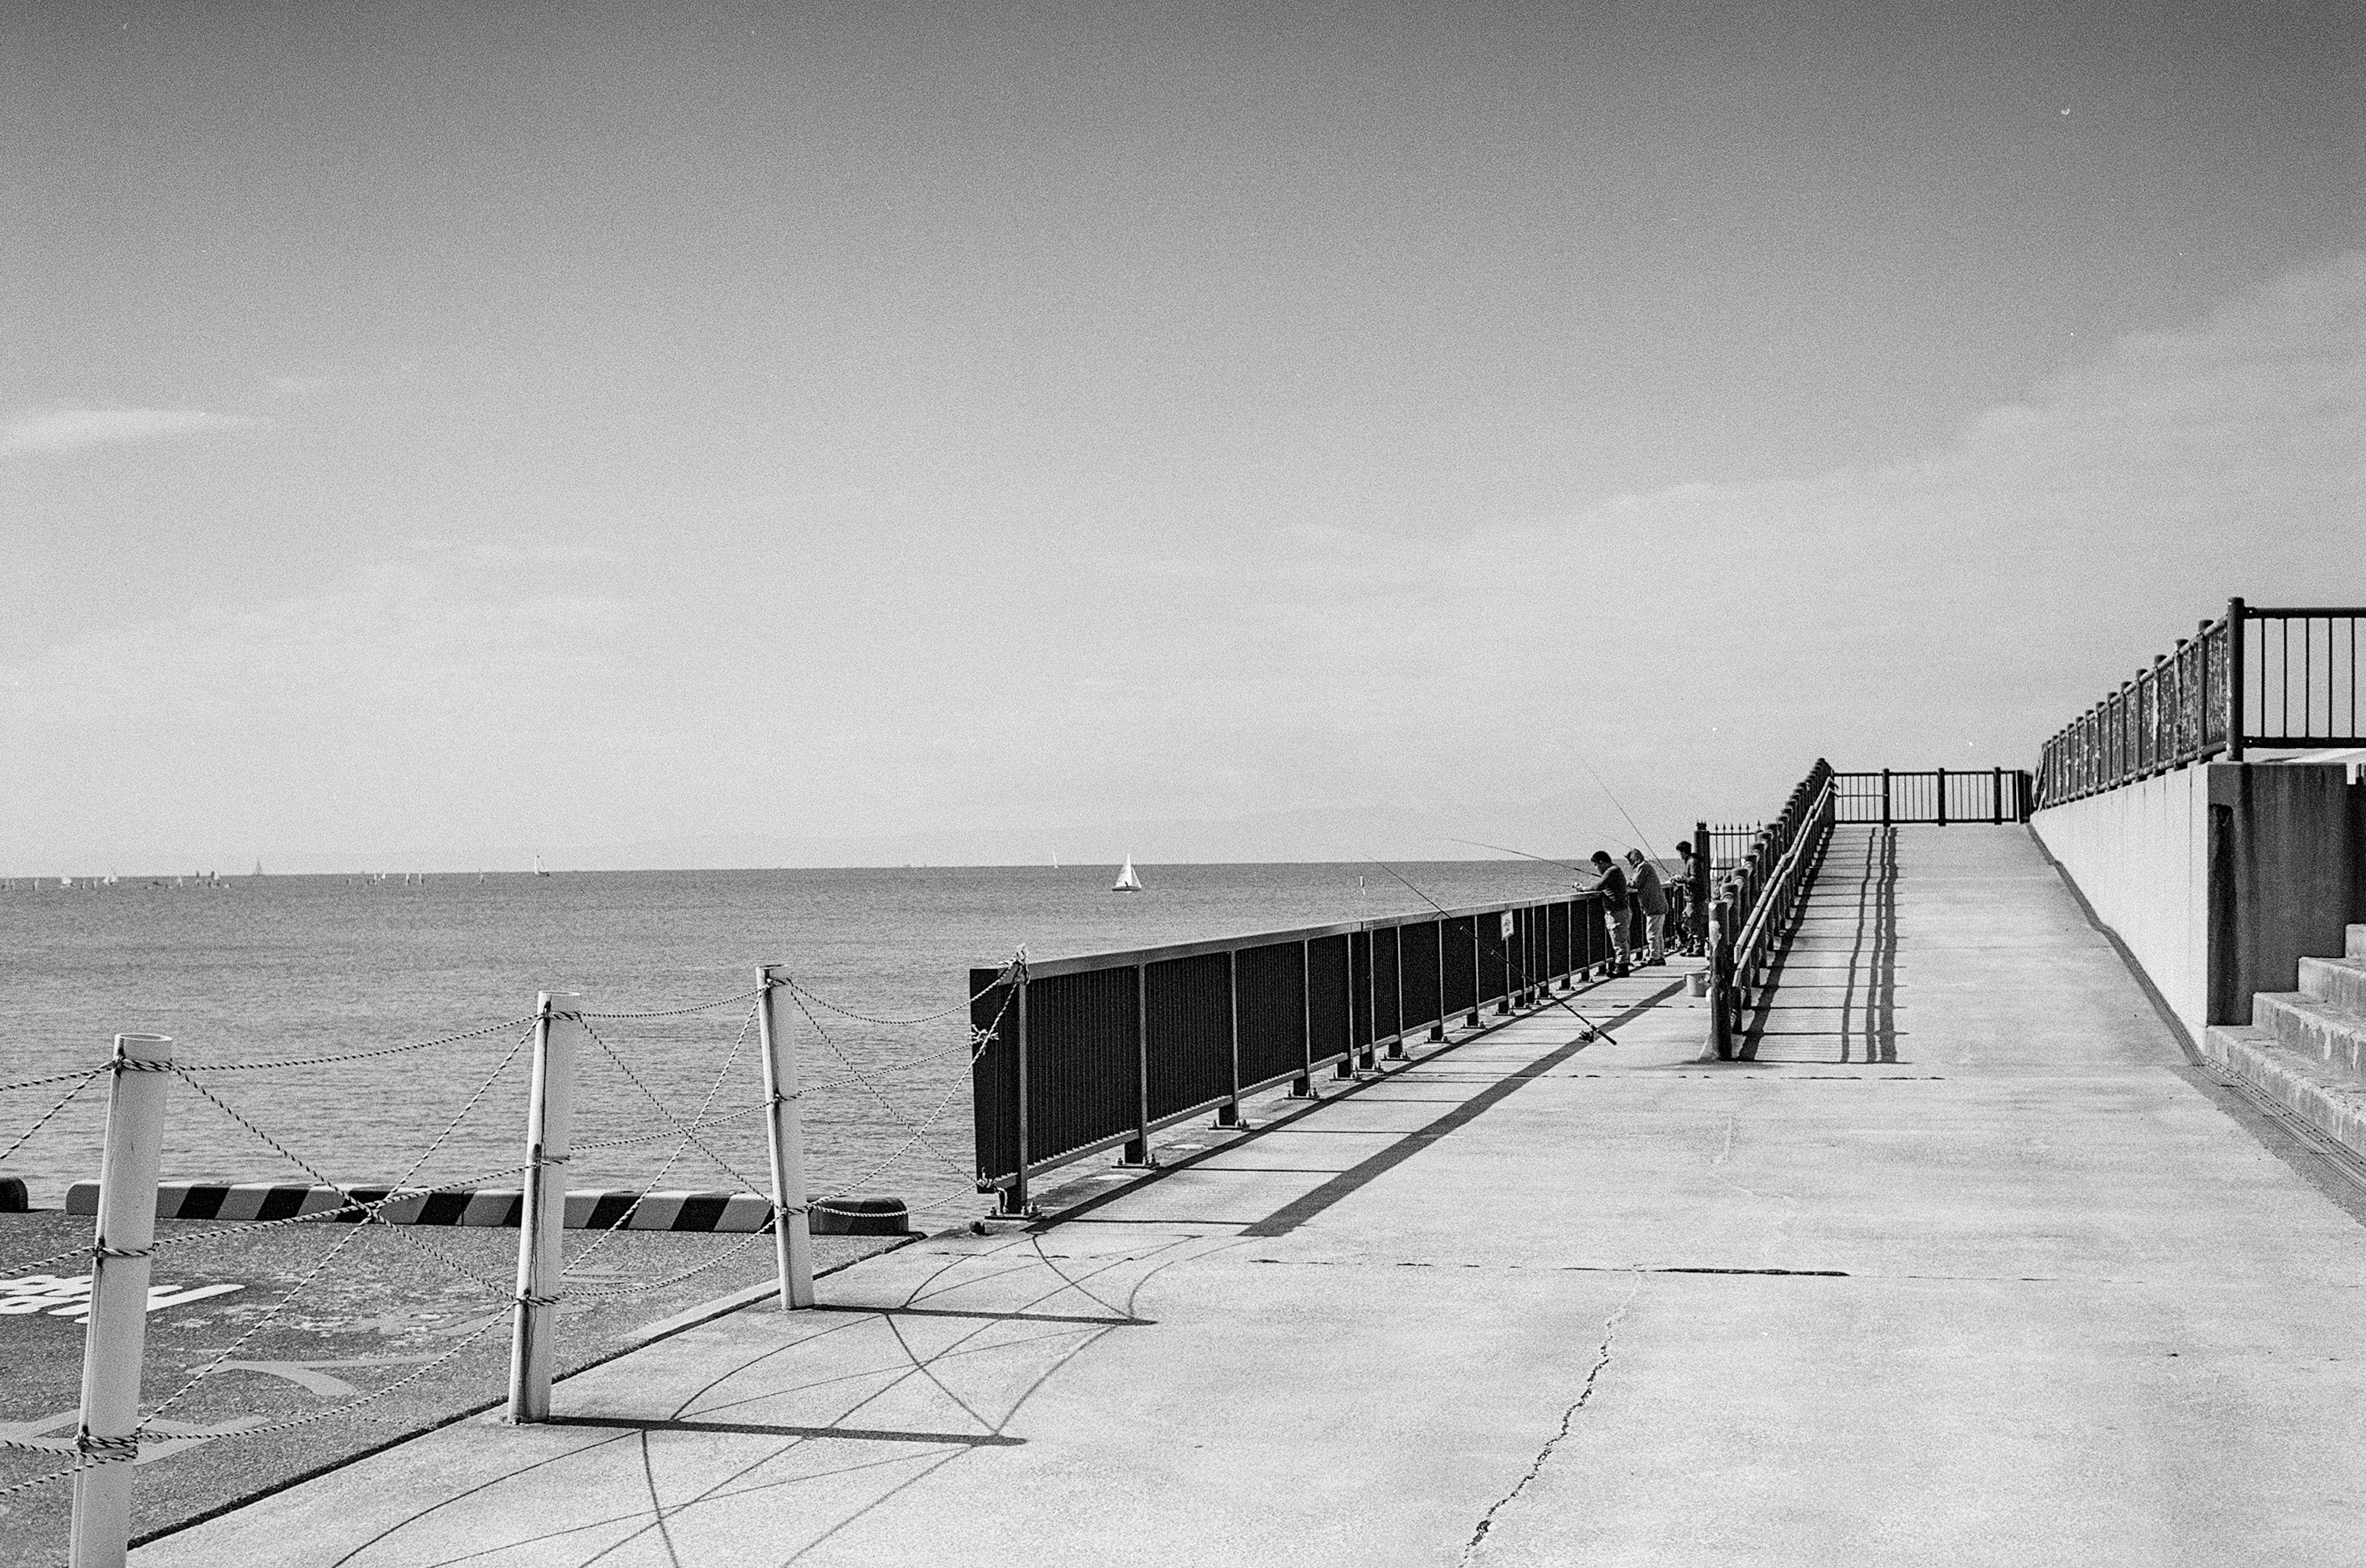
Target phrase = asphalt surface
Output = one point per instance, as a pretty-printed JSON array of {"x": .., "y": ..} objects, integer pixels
[{"x": 422, "y": 1312}]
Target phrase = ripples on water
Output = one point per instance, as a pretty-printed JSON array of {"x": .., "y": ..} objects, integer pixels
[{"x": 302, "y": 965}]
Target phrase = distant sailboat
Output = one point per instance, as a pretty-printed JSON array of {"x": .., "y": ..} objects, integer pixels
[
  {"x": 257, "y": 871},
  {"x": 538, "y": 867},
  {"x": 1129, "y": 880}
]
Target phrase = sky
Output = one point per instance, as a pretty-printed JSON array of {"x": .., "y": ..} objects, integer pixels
[{"x": 432, "y": 435}]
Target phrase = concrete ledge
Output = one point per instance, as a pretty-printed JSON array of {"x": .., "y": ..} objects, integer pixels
[{"x": 2329, "y": 1100}]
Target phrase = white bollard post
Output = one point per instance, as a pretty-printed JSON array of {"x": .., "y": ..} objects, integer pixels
[
  {"x": 119, "y": 1300},
  {"x": 550, "y": 1117},
  {"x": 791, "y": 1226}
]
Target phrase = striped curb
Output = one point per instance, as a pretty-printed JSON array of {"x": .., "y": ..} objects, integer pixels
[{"x": 600, "y": 1209}]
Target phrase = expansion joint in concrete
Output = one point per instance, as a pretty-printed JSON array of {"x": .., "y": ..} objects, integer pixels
[{"x": 1568, "y": 1419}]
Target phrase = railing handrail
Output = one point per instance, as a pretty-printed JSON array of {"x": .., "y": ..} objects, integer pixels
[
  {"x": 1127, "y": 958},
  {"x": 1753, "y": 927}
]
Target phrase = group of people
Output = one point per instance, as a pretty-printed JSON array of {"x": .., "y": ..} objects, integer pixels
[{"x": 1646, "y": 912}]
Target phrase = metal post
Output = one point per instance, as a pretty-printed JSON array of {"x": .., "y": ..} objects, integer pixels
[
  {"x": 2235, "y": 704},
  {"x": 792, "y": 1225},
  {"x": 1471, "y": 1021},
  {"x": 1302, "y": 1086},
  {"x": 1137, "y": 1153},
  {"x": 1942, "y": 797},
  {"x": 1229, "y": 1113},
  {"x": 1438, "y": 1028},
  {"x": 1396, "y": 1035},
  {"x": 550, "y": 1115},
  {"x": 1996, "y": 794},
  {"x": 107, "y": 1442},
  {"x": 1014, "y": 1197},
  {"x": 1701, "y": 879}
]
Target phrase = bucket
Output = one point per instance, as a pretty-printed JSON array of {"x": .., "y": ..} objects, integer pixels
[{"x": 1701, "y": 981}]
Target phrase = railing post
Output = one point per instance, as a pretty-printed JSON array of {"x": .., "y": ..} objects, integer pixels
[
  {"x": 1136, "y": 1154},
  {"x": 1438, "y": 1028},
  {"x": 1721, "y": 979},
  {"x": 551, "y": 1119},
  {"x": 1884, "y": 797},
  {"x": 1699, "y": 900},
  {"x": 1302, "y": 1086},
  {"x": 1996, "y": 794},
  {"x": 1229, "y": 1113},
  {"x": 785, "y": 1143},
  {"x": 1396, "y": 1035},
  {"x": 1014, "y": 1197},
  {"x": 1942, "y": 797},
  {"x": 2236, "y": 718},
  {"x": 1471, "y": 1021},
  {"x": 106, "y": 1440}
]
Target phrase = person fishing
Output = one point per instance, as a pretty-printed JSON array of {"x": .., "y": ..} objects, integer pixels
[
  {"x": 1617, "y": 908},
  {"x": 1650, "y": 907}
]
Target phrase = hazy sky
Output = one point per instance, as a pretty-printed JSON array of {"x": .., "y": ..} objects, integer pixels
[{"x": 432, "y": 427}]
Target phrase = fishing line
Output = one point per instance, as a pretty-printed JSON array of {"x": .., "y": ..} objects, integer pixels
[{"x": 1594, "y": 1029}]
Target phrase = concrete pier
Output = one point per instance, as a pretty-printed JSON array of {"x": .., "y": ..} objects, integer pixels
[{"x": 1970, "y": 1264}]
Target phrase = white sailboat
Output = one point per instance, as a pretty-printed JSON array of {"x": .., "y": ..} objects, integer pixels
[
  {"x": 538, "y": 867},
  {"x": 1129, "y": 880}
]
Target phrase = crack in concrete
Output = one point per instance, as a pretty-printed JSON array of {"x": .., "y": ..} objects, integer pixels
[{"x": 1568, "y": 1417}]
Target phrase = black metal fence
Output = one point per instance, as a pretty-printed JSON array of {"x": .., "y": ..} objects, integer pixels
[
  {"x": 1097, "y": 1053},
  {"x": 2254, "y": 677},
  {"x": 1940, "y": 796}
]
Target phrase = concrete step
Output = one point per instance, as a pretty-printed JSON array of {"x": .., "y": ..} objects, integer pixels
[
  {"x": 2327, "y": 1098},
  {"x": 2334, "y": 1036},
  {"x": 2354, "y": 942},
  {"x": 2340, "y": 981}
]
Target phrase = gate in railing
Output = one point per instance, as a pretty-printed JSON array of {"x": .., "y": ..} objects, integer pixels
[
  {"x": 2254, "y": 677},
  {"x": 1080, "y": 1055}
]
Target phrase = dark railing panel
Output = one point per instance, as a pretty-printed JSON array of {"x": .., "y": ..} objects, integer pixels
[
  {"x": 1329, "y": 986},
  {"x": 1273, "y": 1010},
  {"x": 1187, "y": 1007},
  {"x": 1359, "y": 990},
  {"x": 1082, "y": 1057},
  {"x": 1417, "y": 953},
  {"x": 1557, "y": 950},
  {"x": 1460, "y": 983},
  {"x": 1494, "y": 958},
  {"x": 1386, "y": 1021}
]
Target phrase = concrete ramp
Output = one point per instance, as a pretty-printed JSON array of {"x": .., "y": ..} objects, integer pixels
[{"x": 1967, "y": 1266}]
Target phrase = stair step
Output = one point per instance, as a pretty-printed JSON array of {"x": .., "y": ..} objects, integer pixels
[
  {"x": 2303, "y": 1023},
  {"x": 2354, "y": 942},
  {"x": 2340, "y": 981},
  {"x": 2332, "y": 1100}
]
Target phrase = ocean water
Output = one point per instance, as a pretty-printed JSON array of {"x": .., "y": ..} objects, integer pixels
[{"x": 272, "y": 968}]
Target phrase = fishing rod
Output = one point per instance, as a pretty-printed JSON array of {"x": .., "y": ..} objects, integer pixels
[
  {"x": 1593, "y": 1030},
  {"x": 1506, "y": 849},
  {"x": 1642, "y": 838}
]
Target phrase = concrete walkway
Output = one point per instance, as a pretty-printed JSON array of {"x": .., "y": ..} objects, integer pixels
[{"x": 1964, "y": 1268}]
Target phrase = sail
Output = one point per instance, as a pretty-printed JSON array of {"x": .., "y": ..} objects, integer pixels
[{"x": 1127, "y": 880}]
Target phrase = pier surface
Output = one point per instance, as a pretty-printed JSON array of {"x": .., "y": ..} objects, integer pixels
[{"x": 1970, "y": 1265}]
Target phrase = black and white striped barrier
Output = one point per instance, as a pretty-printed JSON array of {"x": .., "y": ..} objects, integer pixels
[{"x": 599, "y": 1209}]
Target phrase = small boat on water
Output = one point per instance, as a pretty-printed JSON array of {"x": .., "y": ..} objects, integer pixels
[
  {"x": 538, "y": 867},
  {"x": 1129, "y": 880}
]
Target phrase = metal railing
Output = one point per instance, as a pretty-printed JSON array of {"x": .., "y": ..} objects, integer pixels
[
  {"x": 1075, "y": 1056},
  {"x": 2254, "y": 677},
  {"x": 1754, "y": 901},
  {"x": 1939, "y": 795}
]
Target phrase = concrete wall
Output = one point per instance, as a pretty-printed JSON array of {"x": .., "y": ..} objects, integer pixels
[{"x": 2219, "y": 877}]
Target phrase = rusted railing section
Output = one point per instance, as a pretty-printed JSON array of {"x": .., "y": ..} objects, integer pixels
[{"x": 2284, "y": 677}]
